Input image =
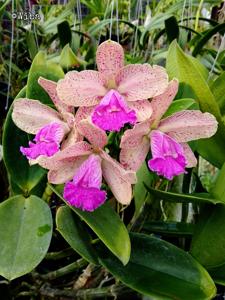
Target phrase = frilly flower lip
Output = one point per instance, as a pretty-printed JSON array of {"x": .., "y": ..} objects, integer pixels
[
  {"x": 84, "y": 191},
  {"x": 47, "y": 142},
  {"x": 112, "y": 113},
  {"x": 168, "y": 155}
]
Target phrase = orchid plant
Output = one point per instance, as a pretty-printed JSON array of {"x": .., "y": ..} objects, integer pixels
[{"x": 92, "y": 103}]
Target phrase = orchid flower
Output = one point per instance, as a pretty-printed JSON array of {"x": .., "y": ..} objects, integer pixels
[
  {"x": 49, "y": 126},
  {"x": 85, "y": 163},
  {"x": 167, "y": 137},
  {"x": 116, "y": 94}
]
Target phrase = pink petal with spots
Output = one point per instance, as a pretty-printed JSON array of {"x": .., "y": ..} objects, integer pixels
[
  {"x": 118, "y": 179},
  {"x": 87, "y": 199},
  {"x": 133, "y": 158},
  {"x": 84, "y": 192},
  {"x": 73, "y": 137},
  {"x": 188, "y": 125},
  {"x": 112, "y": 113},
  {"x": 110, "y": 58},
  {"x": 47, "y": 142},
  {"x": 143, "y": 109},
  {"x": 66, "y": 156},
  {"x": 189, "y": 155},
  {"x": 168, "y": 156},
  {"x": 132, "y": 138},
  {"x": 31, "y": 115},
  {"x": 50, "y": 87},
  {"x": 66, "y": 171},
  {"x": 83, "y": 113},
  {"x": 96, "y": 136},
  {"x": 140, "y": 82},
  {"x": 161, "y": 103},
  {"x": 85, "y": 88}
]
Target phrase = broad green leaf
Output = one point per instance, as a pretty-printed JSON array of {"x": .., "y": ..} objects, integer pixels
[
  {"x": 48, "y": 70},
  {"x": 25, "y": 235},
  {"x": 218, "y": 274},
  {"x": 181, "y": 104},
  {"x": 208, "y": 242},
  {"x": 159, "y": 269},
  {"x": 169, "y": 228},
  {"x": 68, "y": 59},
  {"x": 64, "y": 33},
  {"x": 140, "y": 193},
  {"x": 71, "y": 228},
  {"x": 186, "y": 69},
  {"x": 218, "y": 90},
  {"x": 24, "y": 176},
  {"x": 108, "y": 226},
  {"x": 218, "y": 189},
  {"x": 183, "y": 198}
]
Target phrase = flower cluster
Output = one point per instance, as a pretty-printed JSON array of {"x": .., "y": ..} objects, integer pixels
[{"x": 71, "y": 140}]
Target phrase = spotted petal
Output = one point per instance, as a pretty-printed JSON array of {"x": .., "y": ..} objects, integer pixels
[
  {"x": 140, "y": 82},
  {"x": 118, "y": 179},
  {"x": 109, "y": 58},
  {"x": 50, "y": 87},
  {"x": 133, "y": 158},
  {"x": 142, "y": 108},
  {"x": 31, "y": 115},
  {"x": 189, "y": 125},
  {"x": 96, "y": 136},
  {"x": 189, "y": 155},
  {"x": 161, "y": 103},
  {"x": 85, "y": 88}
]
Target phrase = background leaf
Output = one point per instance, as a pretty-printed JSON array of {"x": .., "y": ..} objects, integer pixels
[{"x": 25, "y": 235}]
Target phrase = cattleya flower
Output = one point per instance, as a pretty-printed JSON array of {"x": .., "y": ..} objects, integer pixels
[
  {"x": 167, "y": 138},
  {"x": 49, "y": 126},
  {"x": 86, "y": 163},
  {"x": 84, "y": 192},
  {"x": 115, "y": 94}
]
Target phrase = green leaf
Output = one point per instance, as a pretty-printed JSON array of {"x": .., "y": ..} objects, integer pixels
[
  {"x": 169, "y": 228},
  {"x": 31, "y": 44},
  {"x": 25, "y": 235},
  {"x": 64, "y": 33},
  {"x": 48, "y": 70},
  {"x": 140, "y": 193},
  {"x": 172, "y": 29},
  {"x": 187, "y": 70},
  {"x": 208, "y": 242},
  {"x": 24, "y": 176},
  {"x": 159, "y": 269},
  {"x": 206, "y": 36},
  {"x": 181, "y": 104},
  {"x": 108, "y": 226},
  {"x": 183, "y": 198},
  {"x": 218, "y": 274},
  {"x": 218, "y": 189},
  {"x": 71, "y": 228},
  {"x": 68, "y": 59},
  {"x": 218, "y": 90}
]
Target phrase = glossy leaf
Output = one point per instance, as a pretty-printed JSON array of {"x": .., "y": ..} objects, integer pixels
[
  {"x": 48, "y": 70},
  {"x": 169, "y": 228},
  {"x": 24, "y": 176},
  {"x": 183, "y": 67},
  {"x": 108, "y": 226},
  {"x": 140, "y": 193},
  {"x": 25, "y": 235},
  {"x": 181, "y": 104},
  {"x": 183, "y": 198},
  {"x": 209, "y": 240},
  {"x": 161, "y": 270},
  {"x": 71, "y": 228},
  {"x": 218, "y": 89}
]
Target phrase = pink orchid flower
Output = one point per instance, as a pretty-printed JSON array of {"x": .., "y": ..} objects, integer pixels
[
  {"x": 167, "y": 138},
  {"x": 82, "y": 162},
  {"x": 114, "y": 92},
  {"x": 49, "y": 126}
]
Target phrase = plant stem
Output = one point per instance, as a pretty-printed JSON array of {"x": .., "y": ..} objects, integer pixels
[
  {"x": 198, "y": 14},
  {"x": 59, "y": 254},
  {"x": 80, "y": 263},
  {"x": 47, "y": 193}
]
